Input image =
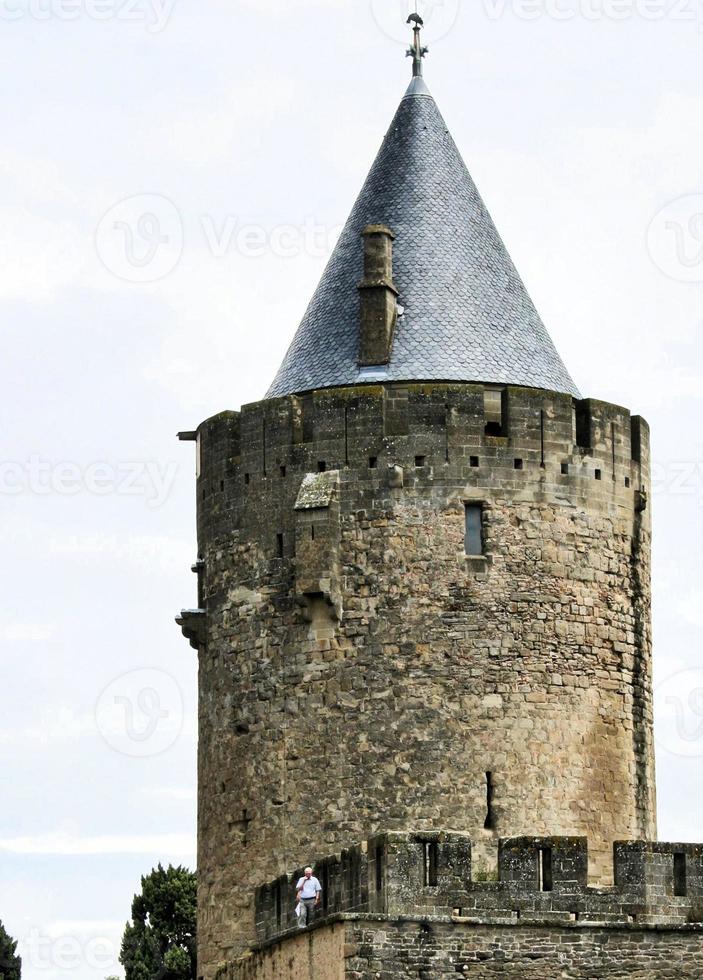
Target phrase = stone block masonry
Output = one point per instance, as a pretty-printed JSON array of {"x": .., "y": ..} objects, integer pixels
[
  {"x": 538, "y": 881},
  {"x": 360, "y": 672},
  {"x": 406, "y": 907}
]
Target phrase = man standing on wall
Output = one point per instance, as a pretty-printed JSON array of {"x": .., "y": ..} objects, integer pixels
[{"x": 308, "y": 892}]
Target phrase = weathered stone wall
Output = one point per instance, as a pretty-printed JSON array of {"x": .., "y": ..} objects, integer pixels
[
  {"x": 539, "y": 880},
  {"x": 429, "y": 951},
  {"x": 360, "y": 672},
  {"x": 318, "y": 954},
  {"x": 405, "y": 949}
]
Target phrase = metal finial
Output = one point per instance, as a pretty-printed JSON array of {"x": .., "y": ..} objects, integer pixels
[{"x": 417, "y": 52}]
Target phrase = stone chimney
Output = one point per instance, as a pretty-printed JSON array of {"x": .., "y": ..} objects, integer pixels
[{"x": 379, "y": 308}]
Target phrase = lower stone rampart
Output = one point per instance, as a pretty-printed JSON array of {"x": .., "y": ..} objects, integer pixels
[
  {"x": 374, "y": 948},
  {"x": 538, "y": 881},
  {"x": 413, "y": 907}
]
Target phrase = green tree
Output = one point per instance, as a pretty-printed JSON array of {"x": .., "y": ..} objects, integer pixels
[
  {"x": 10, "y": 963},
  {"x": 159, "y": 942}
]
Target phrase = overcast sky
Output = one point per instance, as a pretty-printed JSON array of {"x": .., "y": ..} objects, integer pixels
[{"x": 172, "y": 176}]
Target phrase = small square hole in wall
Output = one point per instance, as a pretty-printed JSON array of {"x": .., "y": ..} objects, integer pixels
[
  {"x": 519, "y": 464},
  {"x": 420, "y": 461},
  {"x": 628, "y": 482},
  {"x": 474, "y": 462},
  {"x": 599, "y": 474},
  {"x": 283, "y": 471},
  {"x": 321, "y": 466},
  {"x": 565, "y": 469},
  {"x": 246, "y": 478},
  {"x": 373, "y": 462}
]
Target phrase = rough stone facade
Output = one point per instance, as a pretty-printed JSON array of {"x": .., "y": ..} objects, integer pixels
[
  {"x": 359, "y": 672},
  {"x": 407, "y": 906},
  {"x": 371, "y": 948}
]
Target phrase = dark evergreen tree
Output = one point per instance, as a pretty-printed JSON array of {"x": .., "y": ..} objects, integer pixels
[
  {"x": 10, "y": 962},
  {"x": 160, "y": 941}
]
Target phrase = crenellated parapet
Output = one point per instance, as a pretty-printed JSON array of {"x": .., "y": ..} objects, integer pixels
[
  {"x": 539, "y": 881},
  {"x": 392, "y": 437}
]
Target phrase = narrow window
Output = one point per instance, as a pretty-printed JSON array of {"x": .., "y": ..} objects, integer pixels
[
  {"x": 283, "y": 471},
  {"x": 247, "y": 478},
  {"x": 306, "y": 430},
  {"x": 490, "y": 823},
  {"x": 353, "y": 876},
  {"x": 542, "y": 462},
  {"x": 680, "y": 884},
  {"x": 312, "y": 532},
  {"x": 279, "y": 545},
  {"x": 519, "y": 464},
  {"x": 599, "y": 474},
  {"x": 564, "y": 469},
  {"x": 222, "y": 486},
  {"x": 544, "y": 869},
  {"x": 431, "y": 859},
  {"x": 379, "y": 868},
  {"x": 494, "y": 408},
  {"x": 582, "y": 423},
  {"x": 627, "y": 482},
  {"x": 447, "y": 417},
  {"x": 321, "y": 466},
  {"x": 346, "y": 436},
  {"x": 373, "y": 462},
  {"x": 473, "y": 542},
  {"x": 474, "y": 462},
  {"x": 420, "y": 461}
]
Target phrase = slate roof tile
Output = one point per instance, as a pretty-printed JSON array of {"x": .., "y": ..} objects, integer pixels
[{"x": 468, "y": 316}]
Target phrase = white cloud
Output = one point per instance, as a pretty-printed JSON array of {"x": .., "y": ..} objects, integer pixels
[
  {"x": 226, "y": 128},
  {"x": 178, "y": 793},
  {"x": 58, "y": 722},
  {"x": 28, "y": 632},
  {"x": 145, "y": 551},
  {"x": 292, "y": 8},
  {"x": 82, "y": 927},
  {"x": 60, "y": 844}
]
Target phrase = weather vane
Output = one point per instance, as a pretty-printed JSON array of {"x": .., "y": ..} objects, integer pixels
[{"x": 417, "y": 52}]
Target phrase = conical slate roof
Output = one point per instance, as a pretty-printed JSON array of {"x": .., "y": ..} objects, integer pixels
[{"x": 467, "y": 315}]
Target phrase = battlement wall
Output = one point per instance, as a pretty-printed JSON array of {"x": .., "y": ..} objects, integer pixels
[
  {"x": 540, "y": 880},
  {"x": 523, "y": 436}
]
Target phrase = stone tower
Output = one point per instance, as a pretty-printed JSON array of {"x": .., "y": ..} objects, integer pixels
[{"x": 423, "y": 564}]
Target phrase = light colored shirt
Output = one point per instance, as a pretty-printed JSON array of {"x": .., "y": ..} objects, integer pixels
[{"x": 310, "y": 887}]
